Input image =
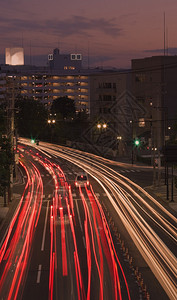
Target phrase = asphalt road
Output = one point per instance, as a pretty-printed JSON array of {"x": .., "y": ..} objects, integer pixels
[{"x": 71, "y": 251}]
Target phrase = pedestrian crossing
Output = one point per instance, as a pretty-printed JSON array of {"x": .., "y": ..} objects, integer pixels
[{"x": 128, "y": 171}]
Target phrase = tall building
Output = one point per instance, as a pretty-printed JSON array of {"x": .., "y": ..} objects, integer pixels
[
  {"x": 111, "y": 99},
  {"x": 154, "y": 81}
]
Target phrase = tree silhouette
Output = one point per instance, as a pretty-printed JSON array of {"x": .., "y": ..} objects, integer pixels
[{"x": 65, "y": 107}]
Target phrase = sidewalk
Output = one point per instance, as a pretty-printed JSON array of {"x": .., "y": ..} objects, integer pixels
[
  {"x": 160, "y": 194},
  {"x": 17, "y": 193}
]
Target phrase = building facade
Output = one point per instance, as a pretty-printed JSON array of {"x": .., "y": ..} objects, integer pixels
[
  {"x": 154, "y": 81},
  {"x": 45, "y": 85},
  {"x": 58, "y": 61}
]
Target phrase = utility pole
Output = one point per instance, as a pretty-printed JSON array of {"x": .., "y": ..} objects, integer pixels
[{"x": 10, "y": 131}]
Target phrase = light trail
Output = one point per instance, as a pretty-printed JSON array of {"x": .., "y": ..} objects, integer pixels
[
  {"x": 15, "y": 249},
  {"x": 90, "y": 227},
  {"x": 158, "y": 256},
  {"x": 131, "y": 202}
]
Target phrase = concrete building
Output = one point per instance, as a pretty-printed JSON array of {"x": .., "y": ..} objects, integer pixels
[
  {"x": 154, "y": 81},
  {"x": 110, "y": 109},
  {"x": 45, "y": 85},
  {"x": 59, "y": 61}
]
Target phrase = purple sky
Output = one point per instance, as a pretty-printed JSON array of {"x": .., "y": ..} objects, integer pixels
[{"x": 111, "y": 31}]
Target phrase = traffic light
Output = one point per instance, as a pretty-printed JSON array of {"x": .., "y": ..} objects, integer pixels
[
  {"x": 32, "y": 141},
  {"x": 137, "y": 142}
]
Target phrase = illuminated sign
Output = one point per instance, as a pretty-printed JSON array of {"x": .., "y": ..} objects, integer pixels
[{"x": 14, "y": 56}]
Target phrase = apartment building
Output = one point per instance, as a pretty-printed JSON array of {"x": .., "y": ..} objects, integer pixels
[
  {"x": 62, "y": 77},
  {"x": 45, "y": 85}
]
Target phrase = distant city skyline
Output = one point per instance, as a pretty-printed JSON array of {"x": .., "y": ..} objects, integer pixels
[{"x": 110, "y": 32}]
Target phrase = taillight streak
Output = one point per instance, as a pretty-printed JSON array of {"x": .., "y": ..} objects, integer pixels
[
  {"x": 63, "y": 244},
  {"x": 106, "y": 228}
]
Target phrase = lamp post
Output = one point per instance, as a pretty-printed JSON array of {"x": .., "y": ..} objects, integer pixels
[
  {"x": 101, "y": 126},
  {"x": 51, "y": 121}
]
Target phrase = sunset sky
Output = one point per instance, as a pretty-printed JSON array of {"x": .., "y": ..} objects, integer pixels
[{"x": 112, "y": 32}]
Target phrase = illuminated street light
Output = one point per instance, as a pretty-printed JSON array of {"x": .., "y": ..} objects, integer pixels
[
  {"x": 119, "y": 138},
  {"x": 100, "y": 125},
  {"x": 51, "y": 121}
]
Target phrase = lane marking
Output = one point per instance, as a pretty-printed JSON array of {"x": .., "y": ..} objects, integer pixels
[
  {"x": 97, "y": 195},
  {"x": 84, "y": 241},
  {"x": 79, "y": 216},
  {"x": 39, "y": 274},
  {"x": 45, "y": 225}
]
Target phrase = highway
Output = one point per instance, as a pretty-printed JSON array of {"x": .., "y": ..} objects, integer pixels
[{"x": 72, "y": 254}]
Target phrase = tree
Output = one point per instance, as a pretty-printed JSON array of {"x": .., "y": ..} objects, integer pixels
[
  {"x": 2, "y": 120},
  {"x": 30, "y": 117},
  {"x": 65, "y": 107},
  {"x": 6, "y": 159}
]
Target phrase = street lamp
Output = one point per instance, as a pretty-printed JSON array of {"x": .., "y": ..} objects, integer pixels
[
  {"x": 119, "y": 138},
  {"x": 51, "y": 121},
  {"x": 102, "y": 125}
]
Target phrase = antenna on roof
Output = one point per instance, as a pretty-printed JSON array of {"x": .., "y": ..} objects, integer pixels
[
  {"x": 30, "y": 53},
  {"x": 22, "y": 39},
  {"x": 164, "y": 35},
  {"x": 167, "y": 41},
  {"x": 88, "y": 56}
]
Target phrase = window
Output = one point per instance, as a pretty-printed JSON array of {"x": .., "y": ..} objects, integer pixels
[
  {"x": 50, "y": 57},
  {"x": 76, "y": 57},
  {"x": 107, "y": 98},
  {"x": 140, "y": 77}
]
